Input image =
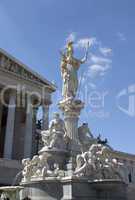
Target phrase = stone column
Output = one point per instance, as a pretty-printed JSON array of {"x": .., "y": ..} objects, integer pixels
[
  {"x": 1, "y": 135},
  {"x": 1, "y": 110},
  {"x": 45, "y": 124},
  {"x": 34, "y": 141},
  {"x": 10, "y": 126},
  {"x": 71, "y": 123},
  {"x": 71, "y": 111},
  {"x": 28, "y": 130}
]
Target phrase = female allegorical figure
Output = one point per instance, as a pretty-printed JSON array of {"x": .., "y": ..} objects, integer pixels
[{"x": 69, "y": 68}]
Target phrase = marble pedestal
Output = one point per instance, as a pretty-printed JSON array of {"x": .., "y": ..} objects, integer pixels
[
  {"x": 72, "y": 188},
  {"x": 48, "y": 189},
  {"x": 83, "y": 189},
  {"x": 71, "y": 109},
  {"x": 110, "y": 189}
]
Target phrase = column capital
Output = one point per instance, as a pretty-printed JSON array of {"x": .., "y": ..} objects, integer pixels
[{"x": 71, "y": 108}]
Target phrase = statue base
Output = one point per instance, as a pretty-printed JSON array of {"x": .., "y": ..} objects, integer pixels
[
  {"x": 48, "y": 189},
  {"x": 72, "y": 188}
]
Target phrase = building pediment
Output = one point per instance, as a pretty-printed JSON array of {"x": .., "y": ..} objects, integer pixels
[{"x": 12, "y": 65}]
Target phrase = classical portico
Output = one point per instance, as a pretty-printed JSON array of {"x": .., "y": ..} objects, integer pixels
[{"x": 22, "y": 92}]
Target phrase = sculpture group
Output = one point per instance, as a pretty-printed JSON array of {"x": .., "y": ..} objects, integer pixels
[
  {"x": 64, "y": 139},
  {"x": 98, "y": 164}
]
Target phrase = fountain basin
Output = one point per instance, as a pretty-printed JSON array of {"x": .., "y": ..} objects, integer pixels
[{"x": 11, "y": 192}]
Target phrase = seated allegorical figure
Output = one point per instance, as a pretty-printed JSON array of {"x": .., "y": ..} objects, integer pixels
[
  {"x": 56, "y": 135},
  {"x": 85, "y": 136}
]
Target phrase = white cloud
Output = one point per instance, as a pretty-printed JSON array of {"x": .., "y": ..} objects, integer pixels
[
  {"x": 92, "y": 85},
  {"x": 105, "y": 51},
  {"x": 99, "y": 60},
  {"x": 83, "y": 42},
  {"x": 98, "y": 66},
  {"x": 121, "y": 36},
  {"x": 97, "y": 70}
]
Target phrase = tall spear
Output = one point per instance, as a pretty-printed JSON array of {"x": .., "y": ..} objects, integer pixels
[{"x": 83, "y": 61}]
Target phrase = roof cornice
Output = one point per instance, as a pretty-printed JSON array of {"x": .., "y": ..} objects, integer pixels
[{"x": 24, "y": 69}]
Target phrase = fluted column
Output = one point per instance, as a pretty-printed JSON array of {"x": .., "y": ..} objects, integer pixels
[
  {"x": 1, "y": 110},
  {"x": 1, "y": 136},
  {"x": 28, "y": 130},
  {"x": 10, "y": 126},
  {"x": 71, "y": 112},
  {"x": 71, "y": 123},
  {"x": 45, "y": 124}
]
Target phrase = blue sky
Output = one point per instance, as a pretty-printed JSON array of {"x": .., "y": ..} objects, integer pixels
[{"x": 35, "y": 31}]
